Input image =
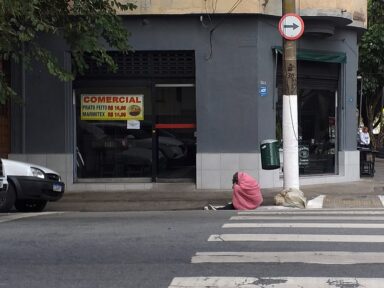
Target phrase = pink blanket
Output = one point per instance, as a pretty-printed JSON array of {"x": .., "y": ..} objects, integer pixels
[{"x": 246, "y": 194}]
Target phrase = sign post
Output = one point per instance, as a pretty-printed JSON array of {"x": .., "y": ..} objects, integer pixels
[{"x": 291, "y": 27}]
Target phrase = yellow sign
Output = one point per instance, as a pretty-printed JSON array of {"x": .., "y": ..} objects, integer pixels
[{"x": 111, "y": 107}]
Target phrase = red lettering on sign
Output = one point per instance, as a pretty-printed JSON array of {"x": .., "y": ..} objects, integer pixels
[{"x": 111, "y": 99}]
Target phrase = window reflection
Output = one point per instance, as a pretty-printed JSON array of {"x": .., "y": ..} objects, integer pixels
[
  {"x": 108, "y": 149},
  {"x": 317, "y": 130},
  {"x": 112, "y": 150}
]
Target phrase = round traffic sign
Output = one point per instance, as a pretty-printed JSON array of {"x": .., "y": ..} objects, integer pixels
[{"x": 291, "y": 26}]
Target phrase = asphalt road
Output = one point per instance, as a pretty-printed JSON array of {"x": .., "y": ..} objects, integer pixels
[{"x": 155, "y": 249}]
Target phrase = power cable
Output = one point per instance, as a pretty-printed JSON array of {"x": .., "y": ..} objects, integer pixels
[
  {"x": 234, "y": 6},
  {"x": 290, "y": 114}
]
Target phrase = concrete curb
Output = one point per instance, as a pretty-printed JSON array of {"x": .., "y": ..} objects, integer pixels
[{"x": 358, "y": 195}]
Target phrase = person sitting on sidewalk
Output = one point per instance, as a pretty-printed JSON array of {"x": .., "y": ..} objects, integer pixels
[{"x": 246, "y": 194}]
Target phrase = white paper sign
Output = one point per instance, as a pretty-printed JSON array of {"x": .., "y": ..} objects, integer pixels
[{"x": 133, "y": 124}]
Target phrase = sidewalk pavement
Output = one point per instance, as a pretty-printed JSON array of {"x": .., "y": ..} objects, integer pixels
[{"x": 361, "y": 194}]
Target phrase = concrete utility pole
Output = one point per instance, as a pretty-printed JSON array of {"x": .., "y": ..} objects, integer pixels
[{"x": 290, "y": 122}]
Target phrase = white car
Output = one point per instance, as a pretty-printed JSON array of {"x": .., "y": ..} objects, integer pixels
[
  {"x": 28, "y": 187},
  {"x": 3, "y": 183}
]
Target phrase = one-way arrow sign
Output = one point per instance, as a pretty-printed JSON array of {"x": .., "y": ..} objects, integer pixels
[{"x": 291, "y": 26}]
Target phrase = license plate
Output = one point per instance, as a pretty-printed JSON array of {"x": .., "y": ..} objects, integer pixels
[{"x": 57, "y": 188}]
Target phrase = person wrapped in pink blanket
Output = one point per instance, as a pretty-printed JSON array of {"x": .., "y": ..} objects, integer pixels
[{"x": 246, "y": 193}]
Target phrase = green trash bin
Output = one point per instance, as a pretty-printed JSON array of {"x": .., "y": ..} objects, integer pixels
[{"x": 270, "y": 154}]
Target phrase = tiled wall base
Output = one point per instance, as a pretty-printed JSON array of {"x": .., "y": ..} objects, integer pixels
[
  {"x": 213, "y": 172},
  {"x": 63, "y": 164}
]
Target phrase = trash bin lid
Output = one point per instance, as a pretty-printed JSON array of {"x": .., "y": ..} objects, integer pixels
[{"x": 268, "y": 141}]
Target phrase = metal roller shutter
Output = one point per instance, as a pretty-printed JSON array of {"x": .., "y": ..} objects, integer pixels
[{"x": 145, "y": 65}]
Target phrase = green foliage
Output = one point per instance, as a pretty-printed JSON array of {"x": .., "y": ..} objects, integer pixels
[
  {"x": 84, "y": 24},
  {"x": 371, "y": 65}
]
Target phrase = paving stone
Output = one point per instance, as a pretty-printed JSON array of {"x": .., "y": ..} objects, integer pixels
[{"x": 352, "y": 201}]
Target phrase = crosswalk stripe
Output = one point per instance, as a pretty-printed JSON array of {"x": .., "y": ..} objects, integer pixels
[
  {"x": 305, "y": 225},
  {"x": 298, "y": 238},
  {"x": 315, "y": 211},
  {"x": 381, "y": 197},
  {"x": 304, "y": 217},
  {"x": 276, "y": 282},
  {"x": 307, "y": 219},
  {"x": 17, "y": 216},
  {"x": 308, "y": 257}
]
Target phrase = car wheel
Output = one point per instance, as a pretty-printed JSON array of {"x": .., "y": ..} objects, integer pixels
[
  {"x": 7, "y": 201},
  {"x": 30, "y": 205}
]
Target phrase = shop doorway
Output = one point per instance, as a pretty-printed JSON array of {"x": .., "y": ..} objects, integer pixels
[
  {"x": 144, "y": 124},
  {"x": 318, "y": 121},
  {"x": 160, "y": 147},
  {"x": 317, "y": 131},
  {"x": 317, "y": 135},
  {"x": 174, "y": 138}
]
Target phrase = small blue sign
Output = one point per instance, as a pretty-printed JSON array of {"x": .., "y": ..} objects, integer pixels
[{"x": 263, "y": 90}]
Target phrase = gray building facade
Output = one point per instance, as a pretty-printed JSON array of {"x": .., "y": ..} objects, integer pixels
[{"x": 212, "y": 95}]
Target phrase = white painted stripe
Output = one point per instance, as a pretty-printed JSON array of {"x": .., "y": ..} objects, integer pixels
[
  {"x": 273, "y": 207},
  {"x": 317, "y": 257},
  {"x": 275, "y": 282},
  {"x": 381, "y": 197},
  {"x": 316, "y": 203},
  {"x": 315, "y": 211},
  {"x": 298, "y": 238},
  {"x": 17, "y": 216},
  {"x": 311, "y": 217},
  {"x": 306, "y": 225}
]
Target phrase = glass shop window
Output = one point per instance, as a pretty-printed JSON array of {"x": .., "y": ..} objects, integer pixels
[
  {"x": 107, "y": 144},
  {"x": 317, "y": 130}
]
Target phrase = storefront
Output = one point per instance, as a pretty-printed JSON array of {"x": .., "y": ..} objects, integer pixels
[
  {"x": 186, "y": 106},
  {"x": 319, "y": 75},
  {"x": 140, "y": 122}
]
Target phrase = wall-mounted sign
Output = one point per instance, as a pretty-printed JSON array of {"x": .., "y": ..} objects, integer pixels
[
  {"x": 111, "y": 107},
  {"x": 263, "y": 90}
]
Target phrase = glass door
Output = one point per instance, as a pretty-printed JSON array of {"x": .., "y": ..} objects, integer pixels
[
  {"x": 174, "y": 132},
  {"x": 317, "y": 131},
  {"x": 317, "y": 135}
]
